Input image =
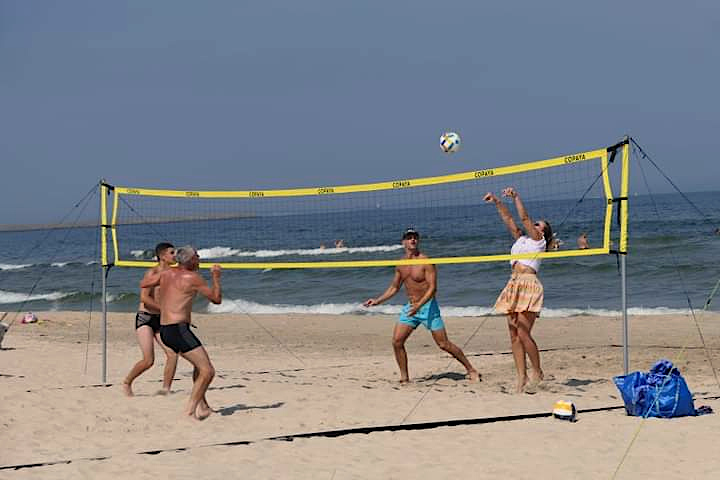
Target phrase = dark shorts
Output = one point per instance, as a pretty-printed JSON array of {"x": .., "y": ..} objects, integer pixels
[
  {"x": 152, "y": 320},
  {"x": 178, "y": 337}
]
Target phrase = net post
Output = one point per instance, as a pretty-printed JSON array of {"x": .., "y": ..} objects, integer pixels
[
  {"x": 105, "y": 269},
  {"x": 104, "y": 324},
  {"x": 623, "y": 249},
  {"x": 625, "y": 330}
]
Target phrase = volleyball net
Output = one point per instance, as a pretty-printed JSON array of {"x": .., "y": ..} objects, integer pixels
[{"x": 361, "y": 225}]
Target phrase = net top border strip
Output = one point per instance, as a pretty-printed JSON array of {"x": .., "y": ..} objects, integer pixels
[
  {"x": 382, "y": 263},
  {"x": 389, "y": 185}
]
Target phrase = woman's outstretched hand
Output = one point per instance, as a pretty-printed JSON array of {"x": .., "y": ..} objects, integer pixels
[
  {"x": 509, "y": 192},
  {"x": 490, "y": 197}
]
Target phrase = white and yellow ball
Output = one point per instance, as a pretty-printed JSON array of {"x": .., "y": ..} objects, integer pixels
[
  {"x": 565, "y": 410},
  {"x": 450, "y": 142}
]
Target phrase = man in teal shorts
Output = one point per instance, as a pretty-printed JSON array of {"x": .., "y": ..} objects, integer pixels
[{"x": 420, "y": 285}]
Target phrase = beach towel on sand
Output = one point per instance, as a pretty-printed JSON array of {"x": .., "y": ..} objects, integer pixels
[{"x": 662, "y": 392}]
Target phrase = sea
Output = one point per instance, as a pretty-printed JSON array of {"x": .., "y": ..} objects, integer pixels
[{"x": 672, "y": 265}]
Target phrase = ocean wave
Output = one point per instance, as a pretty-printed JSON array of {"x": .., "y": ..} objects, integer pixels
[
  {"x": 224, "y": 252},
  {"x": 8, "y": 266},
  {"x": 249, "y": 307},
  {"x": 121, "y": 297},
  {"x": 72, "y": 263},
  {"x": 13, "y": 297},
  {"x": 217, "y": 252}
]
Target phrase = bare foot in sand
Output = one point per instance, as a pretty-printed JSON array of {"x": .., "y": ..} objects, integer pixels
[
  {"x": 532, "y": 386},
  {"x": 127, "y": 390},
  {"x": 204, "y": 405},
  {"x": 163, "y": 392},
  {"x": 202, "y": 412},
  {"x": 404, "y": 381},
  {"x": 520, "y": 387},
  {"x": 474, "y": 376}
]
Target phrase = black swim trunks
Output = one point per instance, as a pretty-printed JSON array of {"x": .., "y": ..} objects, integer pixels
[
  {"x": 178, "y": 337},
  {"x": 152, "y": 320}
]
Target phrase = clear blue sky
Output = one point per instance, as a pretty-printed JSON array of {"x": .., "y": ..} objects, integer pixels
[{"x": 283, "y": 93}]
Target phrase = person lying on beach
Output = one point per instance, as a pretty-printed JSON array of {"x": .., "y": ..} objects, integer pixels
[
  {"x": 147, "y": 326},
  {"x": 178, "y": 287},
  {"x": 522, "y": 298},
  {"x": 420, "y": 285}
]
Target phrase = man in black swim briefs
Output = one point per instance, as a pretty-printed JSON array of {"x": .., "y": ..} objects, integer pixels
[{"x": 178, "y": 287}]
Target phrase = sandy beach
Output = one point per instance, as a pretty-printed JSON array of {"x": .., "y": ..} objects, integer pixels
[{"x": 279, "y": 376}]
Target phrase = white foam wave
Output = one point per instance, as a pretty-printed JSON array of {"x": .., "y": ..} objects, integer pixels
[
  {"x": 223, "y": 252},
  {"x": 245, "y": 306},
  {"x": 141, "y": 253},
  {"x": 217, "y": 252},
  {"x": 6, "y": 266},
  {"x": 119, "y": 297},
  {"x": 9, "y": 266},
  {"x": 13, "y": 297}
]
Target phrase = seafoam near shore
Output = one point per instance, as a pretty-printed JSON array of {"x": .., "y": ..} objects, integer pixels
[{"x": 285, "y": 375}]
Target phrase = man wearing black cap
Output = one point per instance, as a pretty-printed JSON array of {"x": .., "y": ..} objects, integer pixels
[{"x": 420, "y": 285}]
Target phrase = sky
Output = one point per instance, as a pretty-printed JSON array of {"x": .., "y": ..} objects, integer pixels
[{"x": 231, "y": 95}]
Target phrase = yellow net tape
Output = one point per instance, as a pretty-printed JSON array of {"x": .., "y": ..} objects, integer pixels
[
  {"x": 391, "y": 185},
  {"x": 473, "y": 176}
]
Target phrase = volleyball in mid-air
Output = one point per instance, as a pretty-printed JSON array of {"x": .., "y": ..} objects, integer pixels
[{"x": 450, "y": 142}]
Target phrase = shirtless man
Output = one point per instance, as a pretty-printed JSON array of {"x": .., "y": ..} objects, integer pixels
[
  {"x": 147, "y": 326},
  {"x": 420, "y": 285},
  {"x": 178, "y": 287}
]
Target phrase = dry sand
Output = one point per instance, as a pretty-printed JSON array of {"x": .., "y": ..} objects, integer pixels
[{"x": 284, "y": 375}]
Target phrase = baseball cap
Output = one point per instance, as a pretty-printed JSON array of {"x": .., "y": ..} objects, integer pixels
[{"x": 409, "y": 232}]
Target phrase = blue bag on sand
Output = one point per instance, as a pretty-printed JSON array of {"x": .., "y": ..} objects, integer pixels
[{"x": 662, "y": 392}]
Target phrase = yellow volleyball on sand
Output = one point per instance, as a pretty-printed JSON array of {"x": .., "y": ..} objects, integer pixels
[{"x": 565, "y": 410}]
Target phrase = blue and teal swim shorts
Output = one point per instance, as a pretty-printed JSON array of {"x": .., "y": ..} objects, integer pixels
[{"x": 428, "y": 315}]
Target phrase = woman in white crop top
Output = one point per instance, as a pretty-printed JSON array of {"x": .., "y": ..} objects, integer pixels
[{"x": 522, "y": 298}]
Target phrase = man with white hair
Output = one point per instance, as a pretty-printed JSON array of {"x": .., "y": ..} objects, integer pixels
[{"x": 178, "y": 287}]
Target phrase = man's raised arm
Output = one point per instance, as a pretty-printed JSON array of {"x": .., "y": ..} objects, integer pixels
[{"x": 213, "y": 294}]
